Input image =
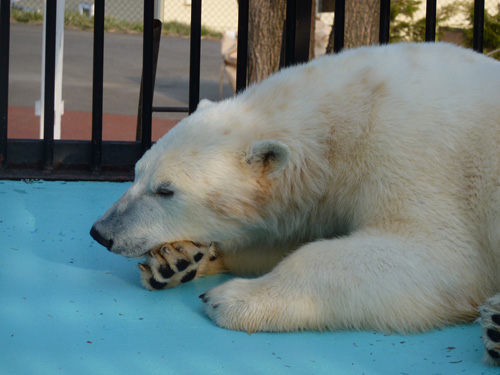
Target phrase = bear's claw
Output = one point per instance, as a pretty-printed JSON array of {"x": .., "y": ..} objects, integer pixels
[
  {"x": 179, "y": 262},
  {"x": 203, "y": 298},
  {"x": 490, "y": 322}
]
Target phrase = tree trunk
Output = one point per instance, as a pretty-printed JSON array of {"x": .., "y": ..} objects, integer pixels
[
  {"x": 362, "y": 23},
  {"x": 312, "y": 41},
  {"x": 266, "y": 21},
  {"x": 362, "y": 18}
]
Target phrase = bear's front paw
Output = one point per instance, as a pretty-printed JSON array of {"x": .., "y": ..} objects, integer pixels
[
  {"x": 253, "y": 305},
  {"x": 490, "y": 321},
  {"x": 178, "y": 262},
  {"x": 237, "y": 305}
]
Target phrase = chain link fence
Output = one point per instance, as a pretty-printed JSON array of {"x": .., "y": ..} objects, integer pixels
[
  {"x": 222, "y": 15},
  {"x": 125, "y": 10},
  {"x": 217, "y": 15}
]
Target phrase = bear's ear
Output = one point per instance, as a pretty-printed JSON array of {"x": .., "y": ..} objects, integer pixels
[{"x": 270, "y": 155}]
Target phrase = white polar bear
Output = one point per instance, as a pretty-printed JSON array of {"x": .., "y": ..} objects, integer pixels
[{"x": 371, "y": 178}]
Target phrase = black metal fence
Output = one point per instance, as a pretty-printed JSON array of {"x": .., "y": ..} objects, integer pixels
[
  {"x": 126, "y": 10},
  {"x": 109, "y": 160}
]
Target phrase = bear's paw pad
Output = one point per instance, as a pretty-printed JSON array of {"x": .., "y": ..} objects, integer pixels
[
  {"x": 175, "y": 263},
  {"x": 490, "y": 322}
]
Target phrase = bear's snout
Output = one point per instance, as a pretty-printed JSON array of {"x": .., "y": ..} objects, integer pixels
[{"x": 96, "y": 235}]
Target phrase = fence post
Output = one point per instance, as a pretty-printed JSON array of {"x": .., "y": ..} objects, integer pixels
[
  {"x": 303, "y": 32},
  {"x": 242, "y": 52},
  {"x": 147, "y": 75},
  {"x": 194, "y": 56},
  {"x": 49, "y": 89},
  {"x": 59, "y": 60},
  {"x": 4, "y": 78},
  {"x": 97, "y": 86},
  {"x": 290, "y": 32},
  {"x": 385, "y": 20},
  {"x": 477, "y": 38},
  {"x": 157, "y": 25},
  {"x": 297, "y": 32},
  {"x": 430, "y": 21},
  {"x": 338, "y": 26}
]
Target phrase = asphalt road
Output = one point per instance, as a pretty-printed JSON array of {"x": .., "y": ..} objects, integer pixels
[{"x": 122, "y": 70}]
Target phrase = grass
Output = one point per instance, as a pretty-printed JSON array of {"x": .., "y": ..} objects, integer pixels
[
  {"x": 111, "y": 24},
  {"x": 26, "y": 17}
]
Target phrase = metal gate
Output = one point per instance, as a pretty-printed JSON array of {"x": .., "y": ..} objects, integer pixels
[{"x": 109, "y": 160}]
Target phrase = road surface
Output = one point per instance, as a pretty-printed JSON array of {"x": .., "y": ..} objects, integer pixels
[{"x": 122, "y": 72}]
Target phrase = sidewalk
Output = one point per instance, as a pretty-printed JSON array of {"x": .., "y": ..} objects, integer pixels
[{"x": 23, "y": 123}]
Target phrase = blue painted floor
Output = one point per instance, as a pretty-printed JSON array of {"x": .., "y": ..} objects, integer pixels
[{"x": 69, "y": 307}]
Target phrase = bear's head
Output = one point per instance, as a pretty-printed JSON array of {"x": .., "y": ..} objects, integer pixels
[{"x": 210, "y": 179}]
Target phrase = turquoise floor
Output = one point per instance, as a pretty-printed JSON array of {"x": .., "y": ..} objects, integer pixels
[{"x": 70, "y": 307}]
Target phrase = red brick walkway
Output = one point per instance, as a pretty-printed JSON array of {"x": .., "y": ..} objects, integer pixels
[{"x": 23, "y": 123}]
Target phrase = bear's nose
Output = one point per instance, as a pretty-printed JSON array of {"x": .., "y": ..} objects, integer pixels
[{"x": 96, "y": 235}]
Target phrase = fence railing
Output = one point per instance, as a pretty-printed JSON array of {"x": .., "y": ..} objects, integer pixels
[{"x": 111, "y": 160}]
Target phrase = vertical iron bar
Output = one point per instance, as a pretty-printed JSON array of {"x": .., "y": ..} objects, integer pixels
[
  {"x": 385, "y": 20},
  {"x": 49, "y": 94},
  {"x": 157, "y": 25},
  {"x": 430, "y": 21},
  {"x": 242, "y": 52},
  {"x": 4, "y": 78},
  {"x": 477, "y": 39},
  {"x": 303, "y": 32},
  {"x": 283, "y": 46},
  {"x": 338, "y": 26},
  {"x": 97, "y": 85},
  {"x": 291, "y": 31},
  {"x": 195, "y": 56},
  {"x": 147, "y": 75}
]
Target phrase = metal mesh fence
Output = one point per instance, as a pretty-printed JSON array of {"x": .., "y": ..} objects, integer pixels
[
  {"x": 222, "y": 15},
  {"x": 218, "y": 15},
  {"x": 125, "y": 10}
]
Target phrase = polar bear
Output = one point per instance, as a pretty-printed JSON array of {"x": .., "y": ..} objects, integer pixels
[{"x": 364, "y": 187}]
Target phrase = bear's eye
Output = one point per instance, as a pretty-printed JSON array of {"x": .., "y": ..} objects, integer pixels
[{"x": 165, "y": 191}]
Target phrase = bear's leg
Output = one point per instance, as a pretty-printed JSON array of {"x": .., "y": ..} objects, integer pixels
[
  {"x": 179, "y": 262},
  {"x": 490, "y": 322},
  {"x": 364, "y": 281}
]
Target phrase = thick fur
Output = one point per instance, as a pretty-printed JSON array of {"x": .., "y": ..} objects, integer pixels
[{"x": 373, "y": 174}]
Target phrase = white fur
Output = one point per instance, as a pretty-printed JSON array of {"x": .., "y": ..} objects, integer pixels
[{"x": 386, "y": 198}]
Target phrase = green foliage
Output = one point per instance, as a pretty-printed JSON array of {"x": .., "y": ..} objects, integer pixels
[
  {"x": 116, "y": 25},
  {"x": 402, "y": 14},
  {"x": 23, "y": 16},
  {"x": 84, "y": 22},
  {"x": 176, "y": 28},
  {"x": 78, "y": 21},
  {"x": 183, "y": 29},
  {"x": 404, "y": 27},
  {"x": 207, "y": 32},
  {"x": 491, "y": 34}
]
